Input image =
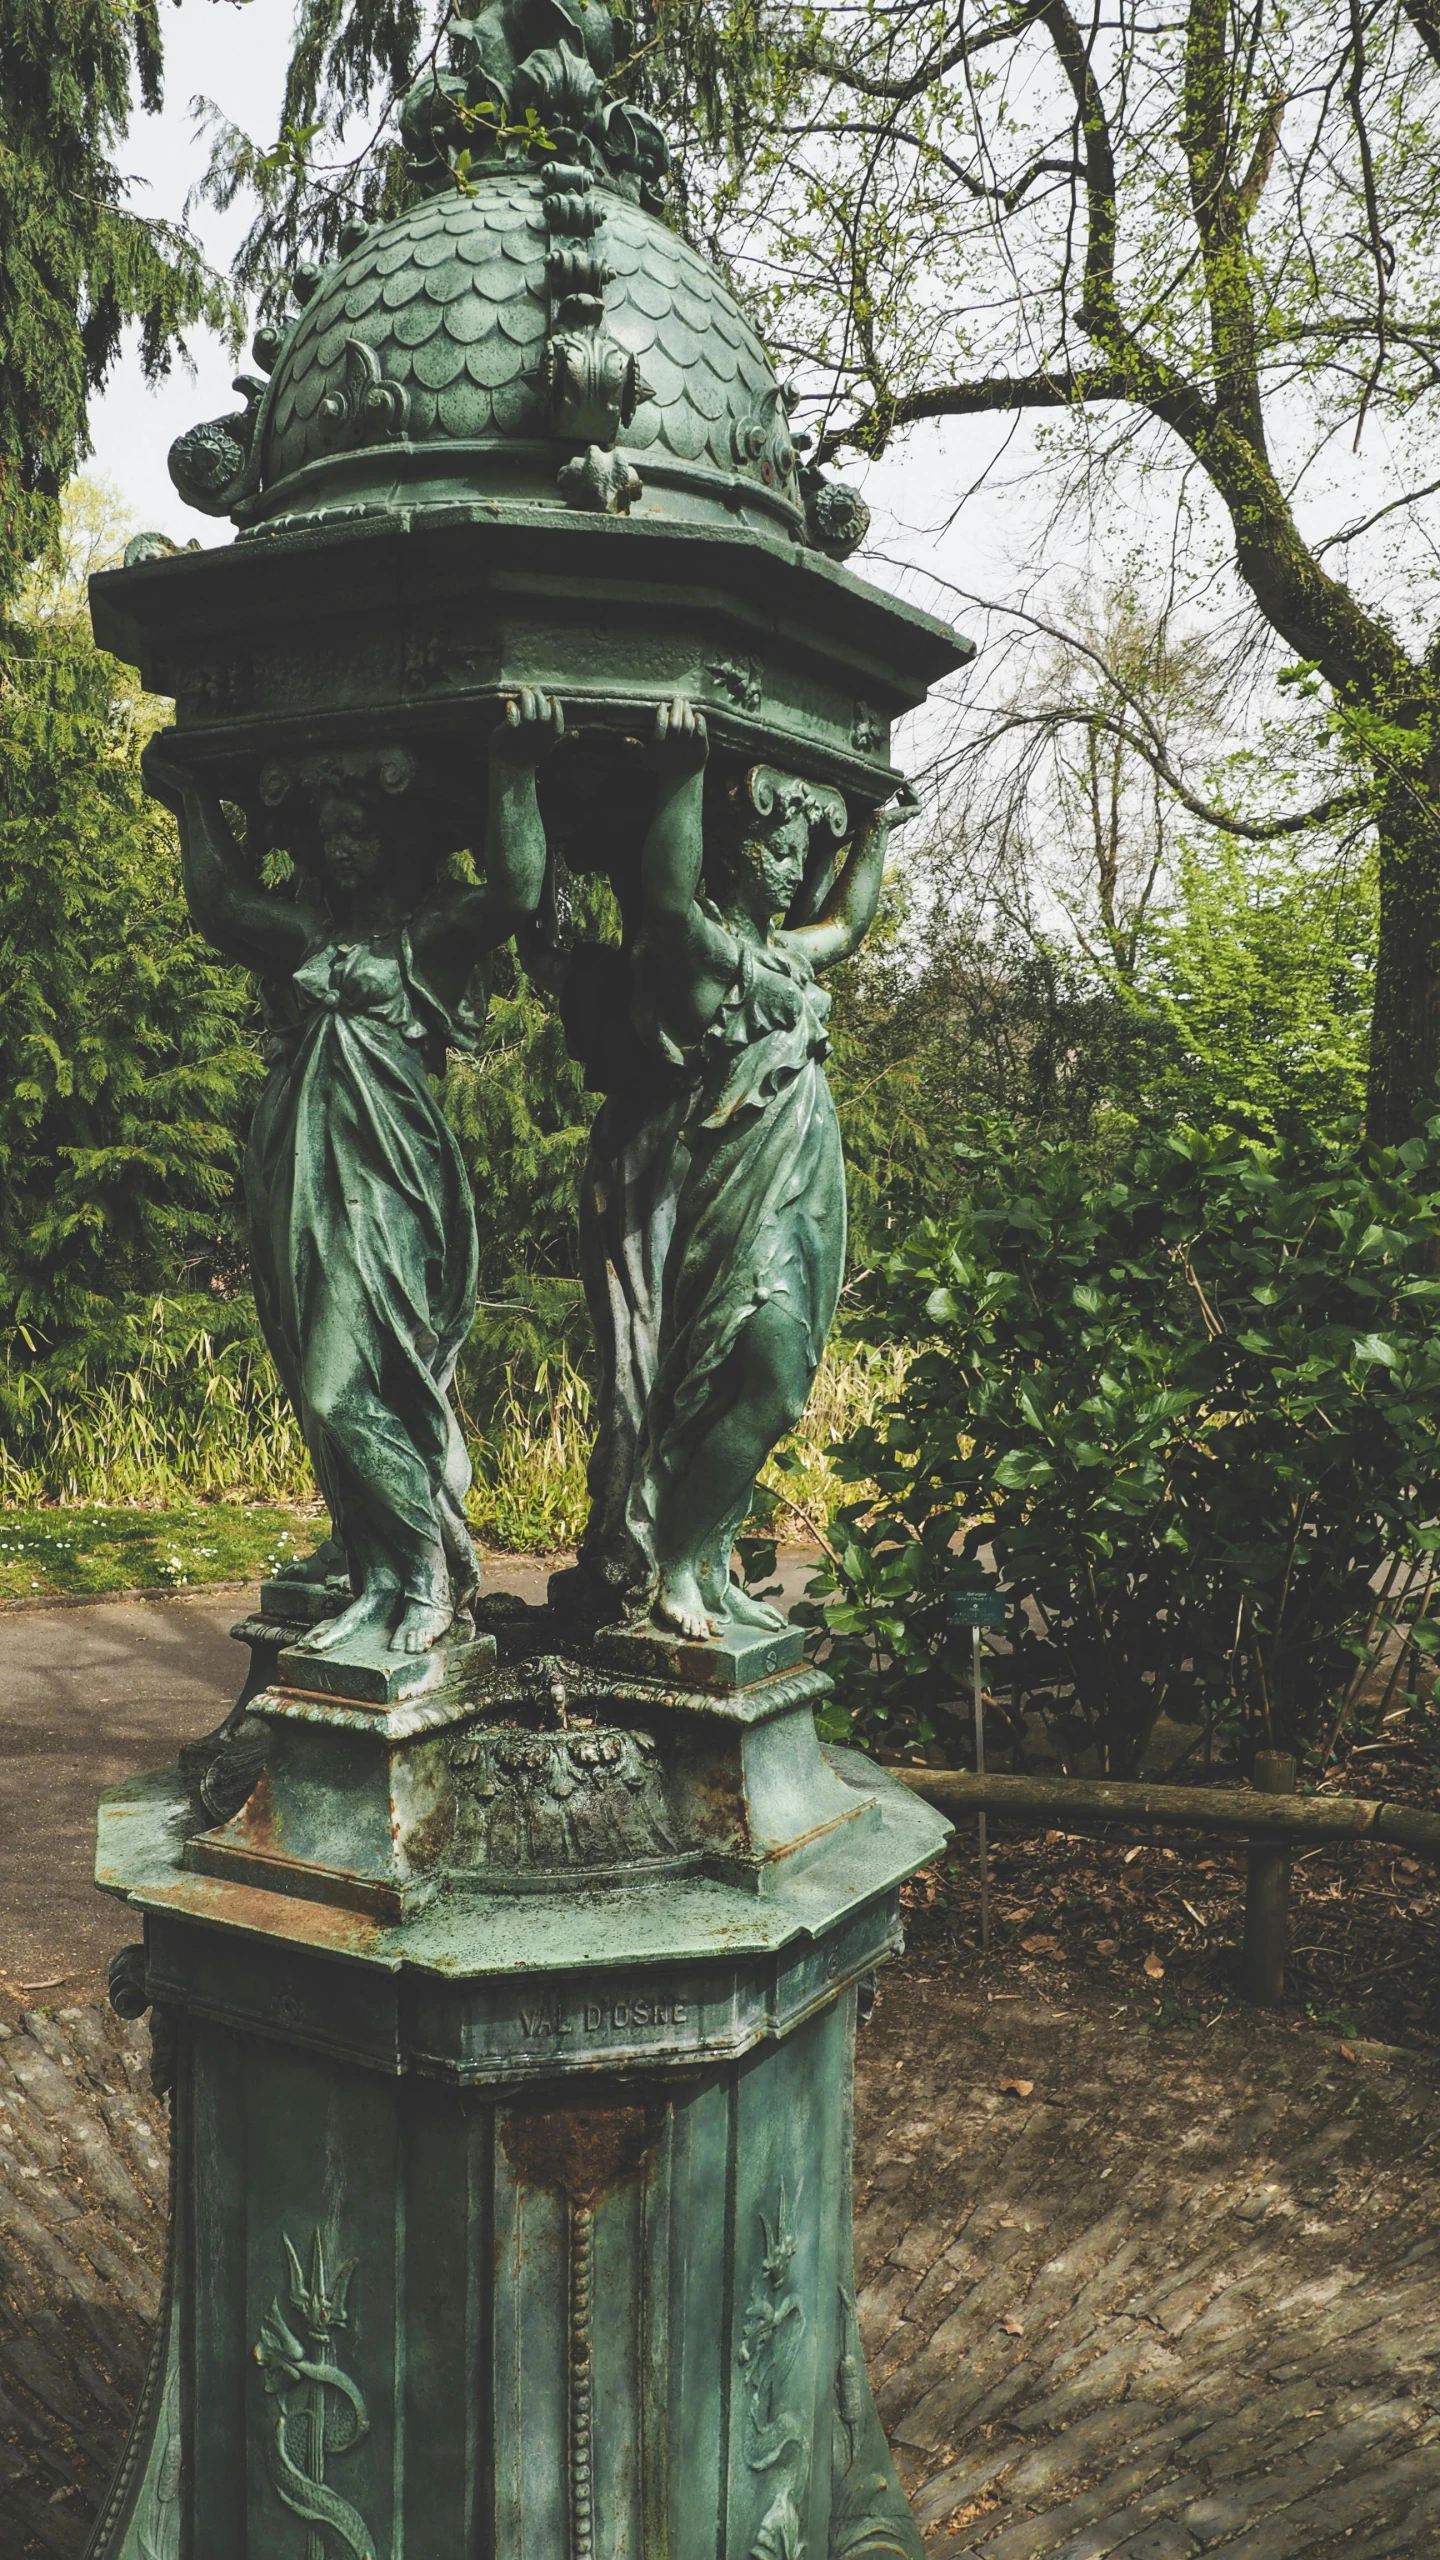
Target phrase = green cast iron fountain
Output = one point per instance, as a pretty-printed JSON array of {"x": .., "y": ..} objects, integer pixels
[{"x": 504, "y": 1962}]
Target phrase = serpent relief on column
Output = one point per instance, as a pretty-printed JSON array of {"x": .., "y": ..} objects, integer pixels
[
  {"x": 361, "y": 1223},
  {"x": 756, "y": 1258}
]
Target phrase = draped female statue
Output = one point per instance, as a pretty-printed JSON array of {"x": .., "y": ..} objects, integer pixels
[
  {"x": 754, "y": 1266},
  {"x": 362, "y": 1232}
]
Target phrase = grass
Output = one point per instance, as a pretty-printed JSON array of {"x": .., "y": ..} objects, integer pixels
[
  {"x": 195, "y": 1419},
  {"x": 528, "y": 1493},
  {"x": 98, "y": 1547},
  {"x": 191, "y": 1470},
  {"x": 529, "y": 1497}
]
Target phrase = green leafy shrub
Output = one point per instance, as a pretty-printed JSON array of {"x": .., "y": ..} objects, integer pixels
[
  {"x": 1263, "y": 972},
  {"x": 1191, "y": 1415}
]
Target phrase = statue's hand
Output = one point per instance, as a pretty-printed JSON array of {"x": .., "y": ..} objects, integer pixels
[
  {"x": 679, "y": 741},
  {"x": 534, "y": 723}
]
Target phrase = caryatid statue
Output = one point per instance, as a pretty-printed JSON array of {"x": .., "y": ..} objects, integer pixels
[
  {"x": 361, "y": 1223},
  {"x": 757, "y": 1253}
]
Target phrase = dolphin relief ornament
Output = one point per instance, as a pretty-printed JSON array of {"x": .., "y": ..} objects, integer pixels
[
  {"x": 756, "y": 1257},
  {"x": 362, "y": 1231}
]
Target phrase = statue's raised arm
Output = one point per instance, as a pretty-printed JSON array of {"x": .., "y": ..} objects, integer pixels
[
  {"x": 261, "y": 928},
  {"x": 849, "y": 909},
  {"x": 755, "y": 1264},
  {"x": 459, "y": 925}
]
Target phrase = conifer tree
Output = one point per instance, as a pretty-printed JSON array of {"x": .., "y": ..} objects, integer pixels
[
  {"x": 77, "y": 262},
  {"x": 126, "y": 1054}
]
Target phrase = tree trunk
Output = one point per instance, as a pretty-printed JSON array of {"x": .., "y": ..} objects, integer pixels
[{"x": 1405, "y": 1032}]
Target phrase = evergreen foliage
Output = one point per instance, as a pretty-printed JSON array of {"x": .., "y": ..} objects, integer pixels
[
  {"x": 350, "y": 63},
  {"x": 76, "y": 262},
  {"x": 126, "y": 1055},
  {"x": 518, "y": 1107}
]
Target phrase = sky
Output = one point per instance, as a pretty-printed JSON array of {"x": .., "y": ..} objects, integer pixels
[
  {"x": 945, "y": 549},
  {"x": 236, "y": 54}
]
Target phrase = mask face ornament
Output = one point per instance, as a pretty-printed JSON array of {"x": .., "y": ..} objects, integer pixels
[{"x": 505, "y": 1958}]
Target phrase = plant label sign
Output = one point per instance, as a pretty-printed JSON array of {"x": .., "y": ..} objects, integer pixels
[{"x": 977, "y": 1608}]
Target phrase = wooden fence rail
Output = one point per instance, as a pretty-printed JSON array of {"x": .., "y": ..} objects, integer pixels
[{"x": 1273, "y": 1821}]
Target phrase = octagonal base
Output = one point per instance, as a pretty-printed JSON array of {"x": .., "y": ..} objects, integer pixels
[{"x": 596, "y": 2323}]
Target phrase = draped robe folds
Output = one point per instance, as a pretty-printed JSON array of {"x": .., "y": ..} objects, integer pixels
[
  {"x": 365, "y": 1261},
  {"x": 760, "y": 1218},
  {"x": 634, "y": 1166}
]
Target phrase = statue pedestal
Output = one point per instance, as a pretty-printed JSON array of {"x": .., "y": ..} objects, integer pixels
[{"x": 513, "y": 2217}]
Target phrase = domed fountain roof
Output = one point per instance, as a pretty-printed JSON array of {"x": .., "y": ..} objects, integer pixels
[
  {"x": 453, "y": 300},
  {"x": 530, "y": 334},
  {"x": 422, "y": 371}
]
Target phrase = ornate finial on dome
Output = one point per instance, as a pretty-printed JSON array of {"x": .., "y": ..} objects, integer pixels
[
  {"x": 592, "y": 385},
  {"x": 528, "y": 76}
]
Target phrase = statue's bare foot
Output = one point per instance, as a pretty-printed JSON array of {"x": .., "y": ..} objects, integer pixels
[
  {"x": 680, "y": 1603},
  {"x": 325, "y": 1563},
  {"x": 421, "y": 1626},
  {"x": 743, "y": 1610},
  {"x": 369, "y": 1616}
]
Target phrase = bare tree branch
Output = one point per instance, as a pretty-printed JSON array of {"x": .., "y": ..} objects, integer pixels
[
  {"x": 1352, "y": 532},
  {"x": 1340, "y": 804},
  {"x": 846, "y": 74}
]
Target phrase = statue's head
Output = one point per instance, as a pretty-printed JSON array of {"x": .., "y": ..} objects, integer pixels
[
  {"x": 761, "y": 847},
  {"x": 343, "y": 815},
  {"x": 352, "y": 845}
]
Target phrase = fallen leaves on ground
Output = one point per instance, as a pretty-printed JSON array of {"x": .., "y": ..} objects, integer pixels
[
  {"x": 1016, "y": 2088},
  {"x": 1075, "y": 1918}
]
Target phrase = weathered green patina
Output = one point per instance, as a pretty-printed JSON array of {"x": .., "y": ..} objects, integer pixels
[
  {"x": 757, "y": 1252},
  {"x": 362, "y": 1237},
  {"x": 507, "y": 1960}
]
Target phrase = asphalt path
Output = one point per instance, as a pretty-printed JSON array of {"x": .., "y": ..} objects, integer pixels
[{"x": 89, "y": 1696}]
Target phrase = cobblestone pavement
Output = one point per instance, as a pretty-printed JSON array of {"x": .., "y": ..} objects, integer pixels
[
  {"x": 1181, "y": 2297},
  {"x": 83, "y": 2182}
]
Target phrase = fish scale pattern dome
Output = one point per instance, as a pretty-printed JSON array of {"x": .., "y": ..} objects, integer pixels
[{"x": 453, "y": 301}]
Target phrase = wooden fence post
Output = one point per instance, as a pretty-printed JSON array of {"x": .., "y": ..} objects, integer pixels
[{"x": 1267, "y": 1892}]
